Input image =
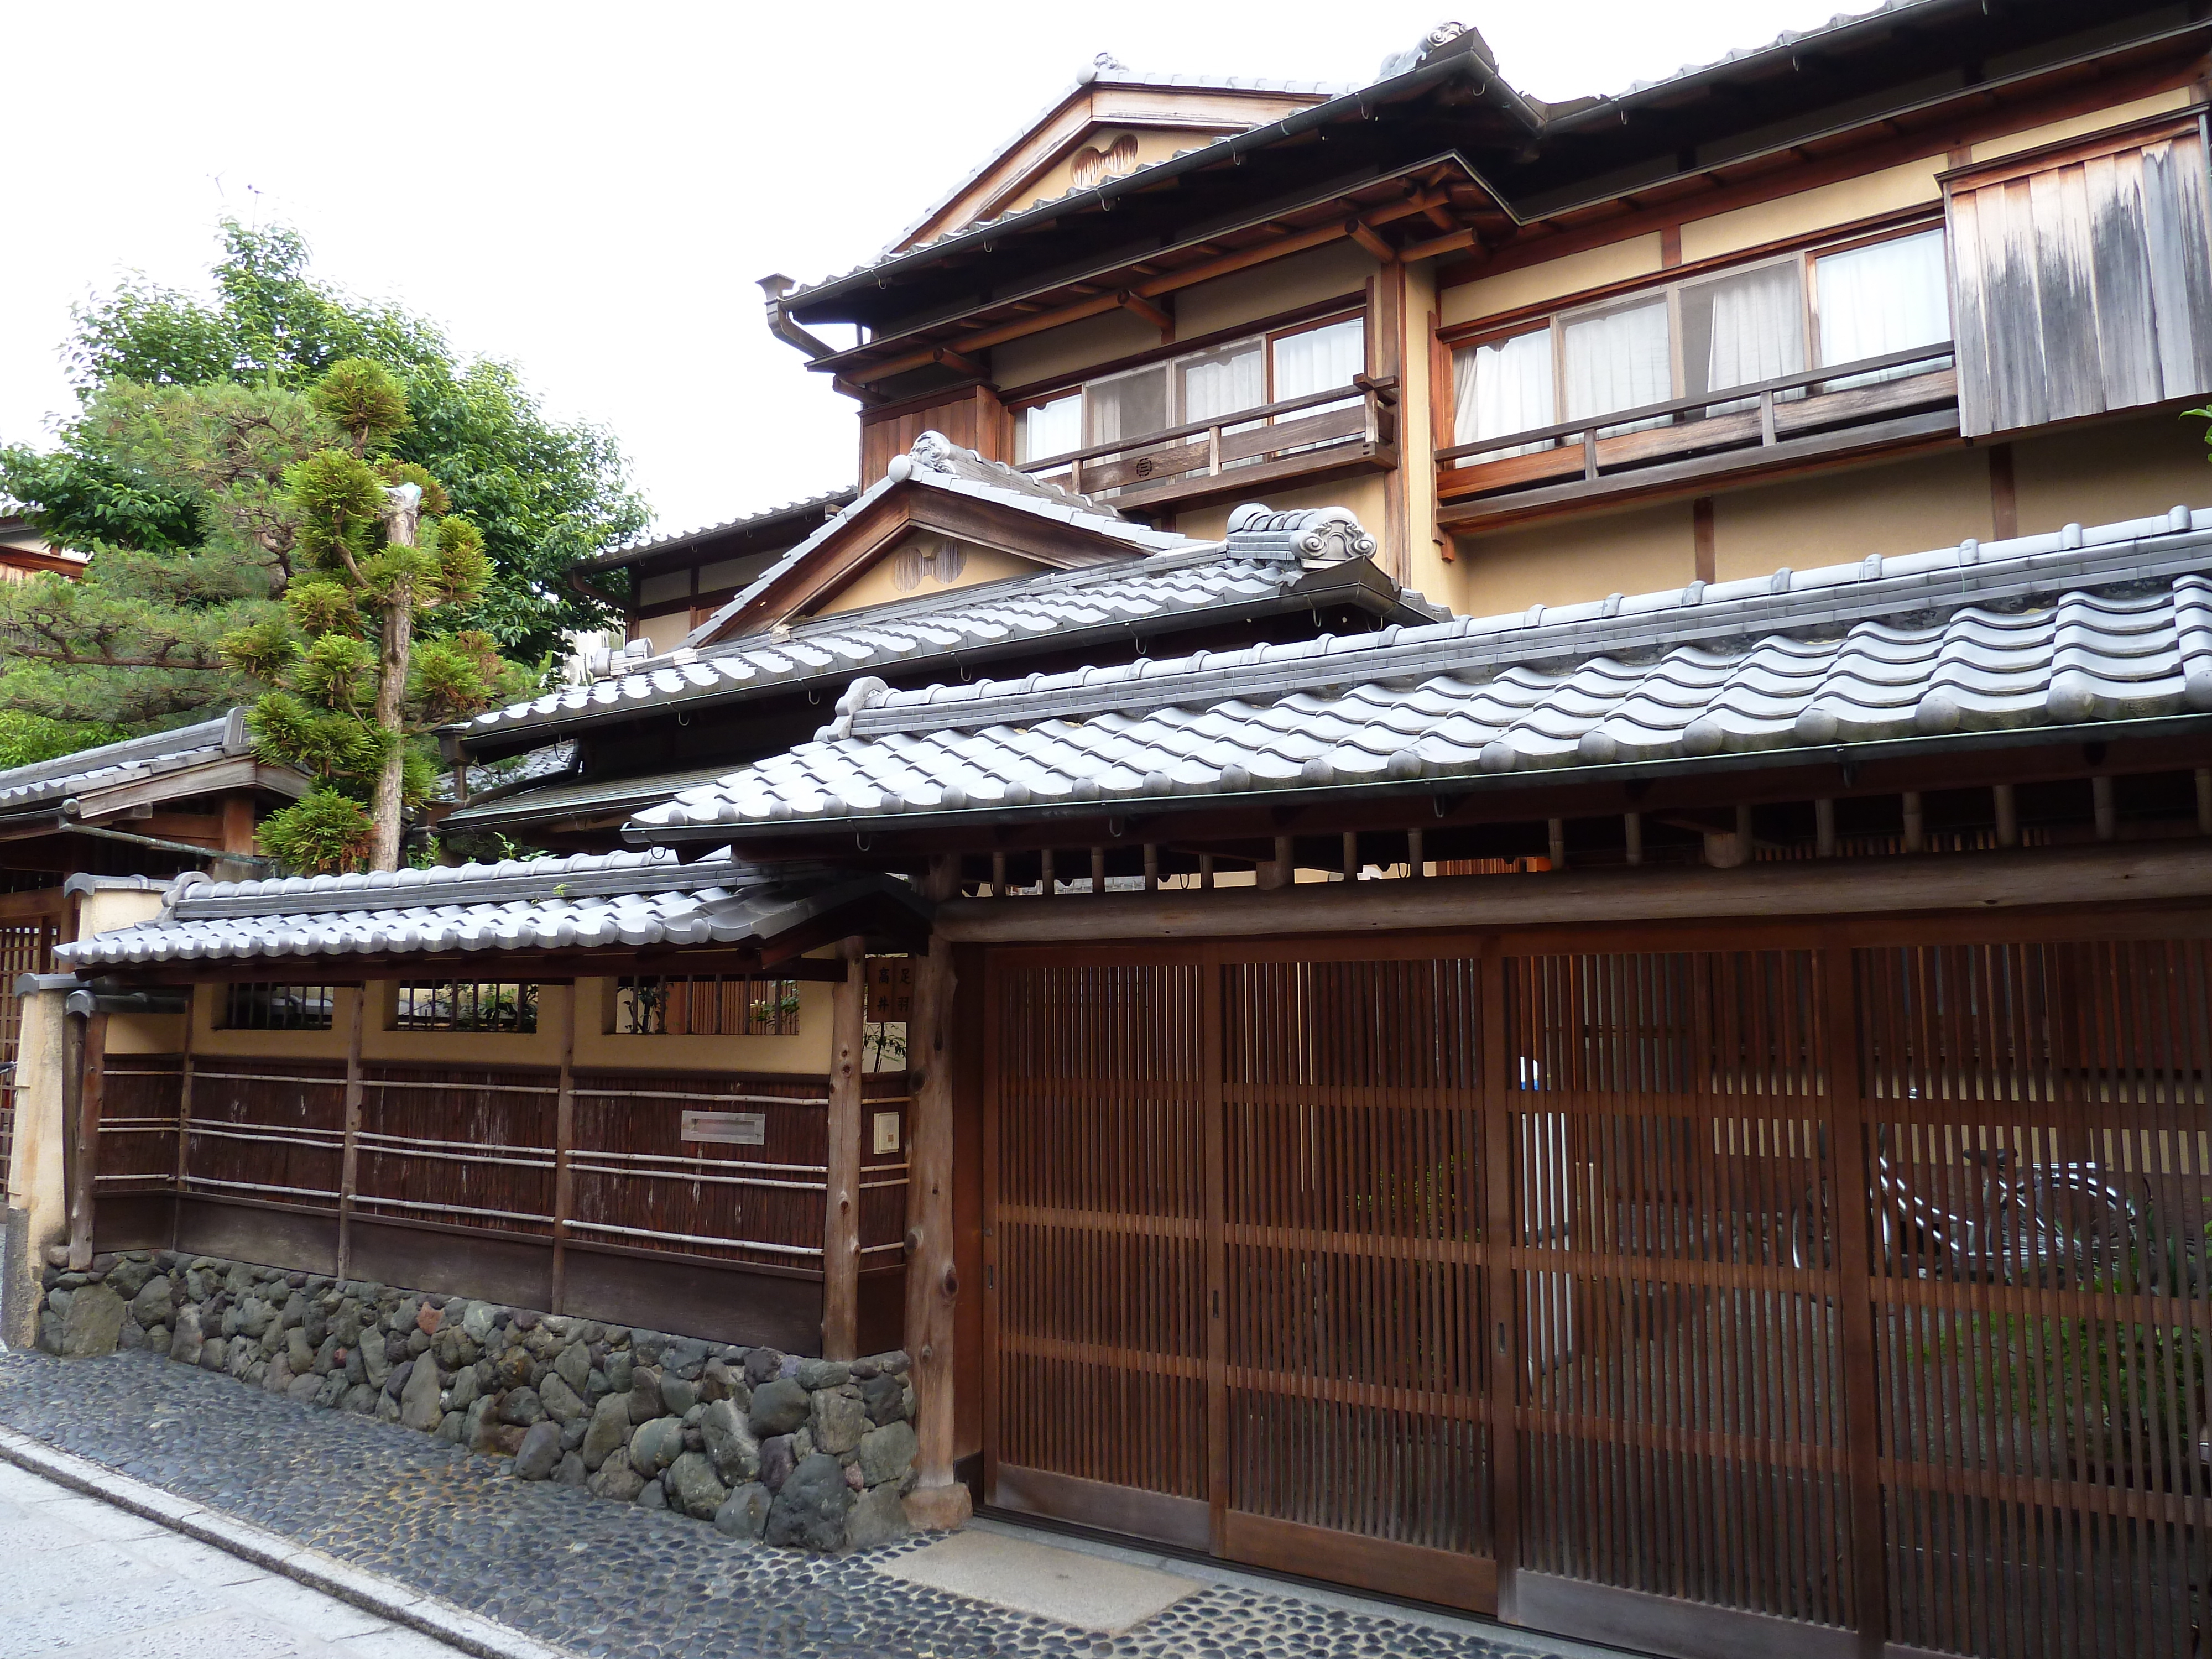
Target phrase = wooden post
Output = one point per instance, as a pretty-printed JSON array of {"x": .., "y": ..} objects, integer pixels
[
  {"x": 1632, "y": 828},
  {"x": 1352, "y": 855},
  {"x": 1854, "y": 1282},
  {"x": 183, "y": 1118},
  {"x": 238, "y": 828},
  {"x": 85, "y": 1170},
  {"x": 1915, "y": 823},
  {"x": 841, "y": 1217},
  {"x": 349, "y": 1156},
  {"x": 1151, "y": 868},
  {"x": 1279, "y": 870},
  {"x": 1205, "y": 871},
  {"x": 1416, "y": 864},
  {"x": 1824, "y": 827},
  {"x": 2205, "y": 801},
  {"x": 1044, "y": 890},
  {"x": 938, "y": 1502},
  {"x": 1097, "y": 870},
  {"x": 998, "y": 875},
  {"x": 1555, "y": 831},
  {"x": 564, "y": 1146},
  {"x": 2008, "y": 813},
  {"x": 2100, "y": 798},
  {"x": 1502, "y": 1341}
]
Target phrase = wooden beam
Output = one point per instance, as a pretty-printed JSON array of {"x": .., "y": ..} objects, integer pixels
[
  {"x": 939, "y": 1502},
  {"x": 1357, "y": 229},
  {"x": 350, "y": 1154},
  {"x": 92, "y": 1088},
  {"x": 564, "y": 1148},
  {"x": 841, "y": 1220},
  {"x": 2120, "y": 873},
  {"x": 961, "y": 365},
  {"x": 1451, "y": 242},
  {"x": 1156, "y": 315}
]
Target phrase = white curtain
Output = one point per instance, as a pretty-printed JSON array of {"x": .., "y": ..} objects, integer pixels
[
  {"x": 1758, "y": 330},
  {"x": 1052, "y": 428},
  {"x": 1126, "y": 405},
  {"x": 1884, "y": 297},
  {"x": 1618, "y": 359},
  {"x": 1319, "y": 358},
  {"x": 1223, "y": 382},
  {"x": 1502, "y": 387}
]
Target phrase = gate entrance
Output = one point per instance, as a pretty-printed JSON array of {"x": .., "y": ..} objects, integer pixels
[{"x": 1833, "y": 1292}]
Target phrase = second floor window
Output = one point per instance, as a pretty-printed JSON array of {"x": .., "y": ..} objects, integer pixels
[
  {"x": 1199, "y": 385},
  {"x": 1703, "y": 336}
]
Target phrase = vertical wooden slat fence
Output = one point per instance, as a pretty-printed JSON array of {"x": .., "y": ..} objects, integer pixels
[{"x": 1822, "y": 1297}]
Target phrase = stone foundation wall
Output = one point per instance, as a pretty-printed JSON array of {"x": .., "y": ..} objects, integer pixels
[{"x": 813, "y": 1454}]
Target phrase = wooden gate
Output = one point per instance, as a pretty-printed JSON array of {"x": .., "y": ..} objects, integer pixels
[{"x": 1837, "y": 1292}]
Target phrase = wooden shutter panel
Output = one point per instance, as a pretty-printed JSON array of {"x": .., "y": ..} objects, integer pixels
[{"x": 2082, "y": 277}]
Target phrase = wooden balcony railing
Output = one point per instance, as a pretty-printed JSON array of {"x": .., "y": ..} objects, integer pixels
[
  {"x": 1356, "y": 422},
  {"x": 1739, "y": 427}
]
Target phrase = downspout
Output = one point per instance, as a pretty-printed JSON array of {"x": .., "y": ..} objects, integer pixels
[{"x": 775, "y": 285}]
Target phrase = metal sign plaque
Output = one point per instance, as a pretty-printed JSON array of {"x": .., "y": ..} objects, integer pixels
[{"x": 743, "y": 1128}]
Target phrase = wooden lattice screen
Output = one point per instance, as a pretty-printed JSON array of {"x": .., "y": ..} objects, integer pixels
[{"x": 1795, "y": 1297}]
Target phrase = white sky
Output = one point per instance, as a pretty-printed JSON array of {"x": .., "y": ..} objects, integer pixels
[{"x": 589, "y": 191}]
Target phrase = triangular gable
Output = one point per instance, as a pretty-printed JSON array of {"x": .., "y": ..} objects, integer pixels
[
  {"x": 1108, "y": 124},
  {"x": 958, "y": 519}
]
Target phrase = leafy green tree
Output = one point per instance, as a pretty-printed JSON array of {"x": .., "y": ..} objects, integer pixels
[
  {"x": 371, "y": 550},
  {"x": 171, "y": 581}
]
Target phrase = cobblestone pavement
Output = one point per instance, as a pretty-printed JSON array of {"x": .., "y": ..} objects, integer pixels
[
  {"x": 605, "y": 1578},
  {"x": 81, "y": 1579}
]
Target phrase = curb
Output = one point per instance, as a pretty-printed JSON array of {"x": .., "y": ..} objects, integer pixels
[{"x": 386, "y": 1598}]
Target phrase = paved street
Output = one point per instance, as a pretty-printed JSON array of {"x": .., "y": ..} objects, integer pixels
[
  {"x": 81, "y": 1579},
  {"x": 557, "y": 1566}
]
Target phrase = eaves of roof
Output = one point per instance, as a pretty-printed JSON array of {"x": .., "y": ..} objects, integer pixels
[
  {"x": 753, "y": 524},
  {"x": 2088, "y": 636}
]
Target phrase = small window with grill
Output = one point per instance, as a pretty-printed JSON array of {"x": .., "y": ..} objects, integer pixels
[
  {"x": 465, "y": 1006},
  {"x": 278, "y": 1007},
  {"x": 707, "y": 1005}
]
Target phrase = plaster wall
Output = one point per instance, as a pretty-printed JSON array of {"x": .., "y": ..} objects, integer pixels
[
  {"x": 38, "y": 1194},
  {"x": 2122, "y": 468},
  {"x": 1834, "y": 517},
  {"x": 1072, "y": 348},
  {"x": 879, "y": 583},
  {"x": 2053, "y": 132},
  {"x": 1331, "y": 272},
  {"x": 1568, "y": 561},
  {"x": 1573, "y": 273},
  {"x": 1364, "y": 495},
  {"x": 1912, "y": 184}
]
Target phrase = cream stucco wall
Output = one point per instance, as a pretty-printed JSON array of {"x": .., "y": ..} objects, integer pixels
[
  {"x": 2124, "y": 469},
  {"x": 666, "y": 632},
  {"x": 1911, "y": 184},
  {"x": 1835, "y": 518},
  {"x": 1573, "y": 273},
  {"x": 879, "y": 584},
  {"x": 1071, "y": 348},
  {"x": 1567, "y": 561},
  {"x": 38, "y": 1192},
  {"x": 2012, "y": 144},
  {"x": 1327, "y": 272}
]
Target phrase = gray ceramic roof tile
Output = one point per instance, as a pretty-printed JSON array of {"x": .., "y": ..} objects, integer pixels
[
  {"x": 627, "y": 898},
  {"x": 2054, "y": 631},
  {"x": 114, "y": 765}
]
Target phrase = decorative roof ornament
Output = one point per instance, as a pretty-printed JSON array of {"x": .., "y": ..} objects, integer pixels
[
  {"x": 1315, "y": 536},
  {"x": 1106, "y": 60},
  {"x": 1442, "y": 35},
  {"x": 933, "y": 452}
]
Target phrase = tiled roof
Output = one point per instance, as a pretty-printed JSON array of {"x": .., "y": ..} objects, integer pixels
[
  {"x": 626, "y": 899},
  {"x": 1106, "y": 72},
  {"x": 937, "y": 463},
  {"x": 1180, "y": 577},
  {"x": 2072, "y": 629},
  {"x": 571, "y": 797},
  {"x": 129, "y": 762},
  {"x": 630, "y": 551}
]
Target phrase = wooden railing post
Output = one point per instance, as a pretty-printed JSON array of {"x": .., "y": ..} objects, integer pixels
[
  {"x": 564, "y": 1145},
  {"x": 184, "y": 1119},
  {"x": 92, "y": 1086},
  {"x": 932, "y": 1285},
  {"x": 841, "y": 1208},
  {"x": 349, "y": 1156}
]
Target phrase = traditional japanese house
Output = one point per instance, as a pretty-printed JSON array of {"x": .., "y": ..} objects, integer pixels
[{"x": 1642, "y": 1068}]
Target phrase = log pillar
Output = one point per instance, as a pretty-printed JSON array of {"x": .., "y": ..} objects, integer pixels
[
  {"x": 40, "y": 1162},
  {"x": 841, "y": 1208},
  {"x": 84, "y": 1164},
  {"x": 933, "y": 1286}
]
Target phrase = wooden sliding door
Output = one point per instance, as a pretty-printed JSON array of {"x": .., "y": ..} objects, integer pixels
[{"x": 1792, "y": 1290}]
